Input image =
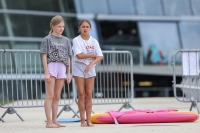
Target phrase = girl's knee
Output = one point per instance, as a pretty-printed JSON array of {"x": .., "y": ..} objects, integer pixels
[
  {"x": 56, "y": 97},
  {"x": 89, "y": 95},
  {"x": 81, "y": 95},
  {"x": 49, "y": 96}
]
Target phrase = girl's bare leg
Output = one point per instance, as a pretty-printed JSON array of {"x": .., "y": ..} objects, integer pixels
[
  {"x": 57, "y": 90},
  {"x": 81, "y": 98},
  {"x": 89, "y": 85},
  {"x": 48, "y": 102}
]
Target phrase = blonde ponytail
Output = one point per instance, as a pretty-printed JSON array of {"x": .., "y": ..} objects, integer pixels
[{"x": 50, "y": 31}]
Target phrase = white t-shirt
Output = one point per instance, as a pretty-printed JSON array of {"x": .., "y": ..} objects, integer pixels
[{"x": 85, "y": 46}]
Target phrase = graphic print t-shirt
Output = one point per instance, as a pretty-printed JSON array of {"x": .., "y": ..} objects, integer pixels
[
  {"x": 85, "y": 46},
  {"x": 57, "y": 48}
]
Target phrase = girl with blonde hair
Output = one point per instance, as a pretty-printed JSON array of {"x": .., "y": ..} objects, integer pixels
[{"x": 56, "y": 51}]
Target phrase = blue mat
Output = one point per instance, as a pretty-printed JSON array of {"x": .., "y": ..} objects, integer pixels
[{"x": 68, "y": 120}]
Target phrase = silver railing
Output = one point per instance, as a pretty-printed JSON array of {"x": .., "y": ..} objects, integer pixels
[
  {"x": 22, "y": 84},
  {"x": 190, "y": 84}
]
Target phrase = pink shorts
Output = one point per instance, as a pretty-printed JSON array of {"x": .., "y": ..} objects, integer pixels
[{"x": 57, "y": 70}]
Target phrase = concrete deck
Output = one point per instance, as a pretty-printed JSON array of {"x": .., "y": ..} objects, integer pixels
[{"x": 34, "y": 120}]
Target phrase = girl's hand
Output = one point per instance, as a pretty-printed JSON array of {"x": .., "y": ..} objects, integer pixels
[
  {"x": 47, "y": 77},
  {"x": 87, "y": 68},
  {"x": 68, "y": 79}
]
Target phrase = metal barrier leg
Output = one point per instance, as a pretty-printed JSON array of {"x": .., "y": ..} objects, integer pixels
[
  {"x": 67, "y": 108},
  {"x": 1, "y": 119},
  {"x": 195, "y": 105},
  {"x": 192, "y": 105},
  {"x": 75, "y": 115},
  {"x": 12, "y": 111},
  {"x": 127, "y": 106}
]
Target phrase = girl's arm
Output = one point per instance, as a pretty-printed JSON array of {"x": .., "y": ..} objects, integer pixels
[
  {"x": 95, "y": 61},
  {"x": 84, "y": 56},
  {"x": 46, "y": 72}
]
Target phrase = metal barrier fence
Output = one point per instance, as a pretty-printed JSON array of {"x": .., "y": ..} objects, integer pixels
[
  {"x": 22, "y": 84},
  {"x": 187, "y": 61},
  {"x": 114, "y": 80}
]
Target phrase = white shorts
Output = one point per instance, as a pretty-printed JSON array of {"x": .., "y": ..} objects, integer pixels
[
  {"x": 57, "y": 70},
  {"x": 78, "y": 70}
]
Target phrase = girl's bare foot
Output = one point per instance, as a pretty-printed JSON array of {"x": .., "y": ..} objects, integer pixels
[
  {"x": 52, "y": 125},
  {"x": 84, "y": 124},
  {"x": 58, "y": 124},
  {"x": 90, "y": 124}
]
